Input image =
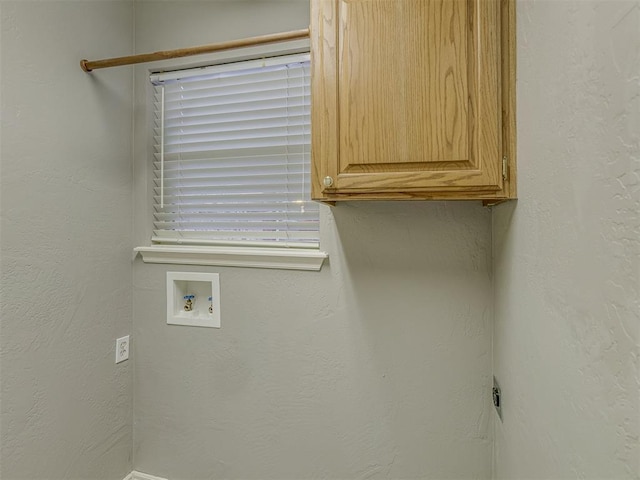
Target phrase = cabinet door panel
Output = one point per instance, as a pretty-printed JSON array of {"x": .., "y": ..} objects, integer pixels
[
  {"x": 403, "y": 71},
  {"x": 406, "y": 96}
]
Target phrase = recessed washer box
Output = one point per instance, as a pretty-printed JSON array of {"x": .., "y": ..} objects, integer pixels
[{"x": 188, "y": 295}]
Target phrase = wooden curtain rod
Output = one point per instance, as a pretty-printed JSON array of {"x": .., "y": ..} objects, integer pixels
[{"x": 88, "y": 66}]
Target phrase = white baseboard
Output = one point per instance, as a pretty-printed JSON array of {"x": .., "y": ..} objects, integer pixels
[{"x": 141, "y": 476}]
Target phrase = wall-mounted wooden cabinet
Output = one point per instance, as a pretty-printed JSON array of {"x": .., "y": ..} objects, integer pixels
[{"x": 413, "y": 99}]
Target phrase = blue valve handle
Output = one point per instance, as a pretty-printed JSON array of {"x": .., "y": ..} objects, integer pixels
[{"x": 189, "y": 297}]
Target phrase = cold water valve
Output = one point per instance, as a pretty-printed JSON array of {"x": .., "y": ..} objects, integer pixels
[{"x": 188, "y": 305}]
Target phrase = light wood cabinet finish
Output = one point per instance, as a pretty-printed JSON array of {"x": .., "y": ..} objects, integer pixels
[{"x": 412, "y": 99}]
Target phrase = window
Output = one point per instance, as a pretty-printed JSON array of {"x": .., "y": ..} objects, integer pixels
[{"x": 232, "y": 156}]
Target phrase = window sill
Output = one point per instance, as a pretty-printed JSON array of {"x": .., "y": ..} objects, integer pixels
[{"x": 284, "y": 259}]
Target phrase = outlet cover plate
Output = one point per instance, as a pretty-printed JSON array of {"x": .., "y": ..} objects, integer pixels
[
  {"x": 122, "y": 349},
  {"x": 497, "y": 397}
]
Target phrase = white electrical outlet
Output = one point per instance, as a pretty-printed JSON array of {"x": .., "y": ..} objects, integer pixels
[{"x": 122, "y": 349}]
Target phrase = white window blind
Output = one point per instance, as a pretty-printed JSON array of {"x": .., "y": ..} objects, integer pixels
[{"x": 232, "y": 155}]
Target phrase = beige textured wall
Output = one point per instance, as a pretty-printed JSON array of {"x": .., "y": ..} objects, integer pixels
[
  {"x": 567, "y": 258},
  {"x": 378, "y": 366},
  {"x": 65, "y": 244}
]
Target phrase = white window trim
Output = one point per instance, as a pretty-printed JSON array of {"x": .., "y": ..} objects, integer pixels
[
  {"x": 252, "y": 257},
  {"x": 255, "y": 257}
]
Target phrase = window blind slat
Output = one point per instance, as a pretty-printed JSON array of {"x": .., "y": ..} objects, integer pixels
[
  {"x": 204, "y": 121},
  {"x": 231, "y": 198},
  {"x": 221, "y": 234},
  {"x": 242, "y": 154},
  {"x": 295, "y": 119},
  {"x": 254, "y": 81},
  {"x": 239, "y": 101},
  {"x": 235, "y": 208},
  {"x": 280, "y": 189},
  {"x": 300, "y": 243},
  {"x": 246, "y": 108},
  {"x": 230, "y": 216},
  {"x": 295, "y": 125},
  {"x": 267, "y": 182},
  {"x": 282, "y": 84},
  {"x": 191, "y": 168},
  {"x": 286, "y": 178},
  {"x": 238, "y": 143},
  {"x": 255, "y": 77},
  {"x": 242, "y": 171},
  {"x": 232, "y": 109}
]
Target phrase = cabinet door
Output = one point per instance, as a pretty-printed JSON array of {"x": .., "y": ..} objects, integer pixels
[{"x": 406, "y": 98}]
